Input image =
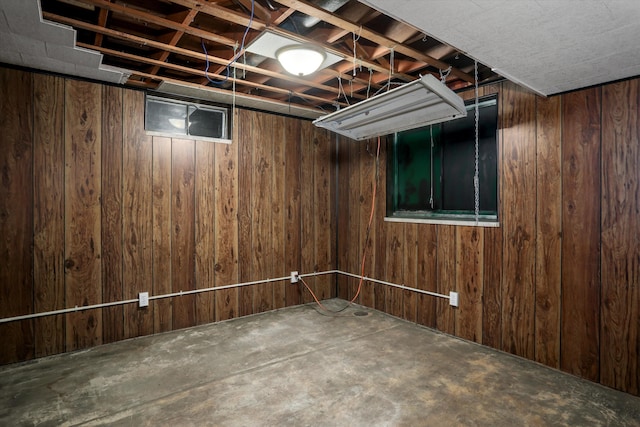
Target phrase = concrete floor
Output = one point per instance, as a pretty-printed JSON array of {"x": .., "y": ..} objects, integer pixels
[{"x": 297, "y": 367}]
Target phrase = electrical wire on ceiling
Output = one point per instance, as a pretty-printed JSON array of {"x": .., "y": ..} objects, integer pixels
[{"x": 235, "y": 51}]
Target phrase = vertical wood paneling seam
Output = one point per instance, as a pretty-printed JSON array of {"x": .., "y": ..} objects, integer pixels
[
  {"x": 600, "y": 303},
  {"x": 501, "y": 207},
  {"x": 535, "y": 224},
  {"x": 32, "y": 201}
]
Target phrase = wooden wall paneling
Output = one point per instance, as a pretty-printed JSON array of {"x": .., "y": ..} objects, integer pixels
[
  {"x": 548, "y": 230},
  {"x": 493, "y": 238},
  {"x": 469, "y": 282},
  {"x": 226, "y": 225},
  {"x": 620, "y": 308},
  {"x": 162, "y": 308},
  {"x": 579, "y": 352},
  {"x": 112, "y": 239},
  {"x": 446, "y": 272},
  {"x": 307, "y": 208},
  {"x": 183, "y": 165},
  {"x": 353, "y": 213},
  {"x": 48, "y": 218},
  {"x": 83, "y": 275},
  {"x": 367, "y": 180},
  {"x": 278, "y": 211},
  {"x": 380, "y": 247},
  {"x": 492, "y": 288},
  {"x": 427, "y": 274},
  {"x": 137, "y": 215},
  {"x": 410, "y": 270},
  {"x": 245, "y": 195},
  {"x": 293, "y": 292},
  {"x": 205, "y": 229},
  {"x": 396, "y": 246},
  {"x": 261, "y": 239},
  {"x": 342, "y": 219},
  {"x": 323, "y": 204},
  {"x": 518, "y": 220},
  {"x": 16, "y": 214}
]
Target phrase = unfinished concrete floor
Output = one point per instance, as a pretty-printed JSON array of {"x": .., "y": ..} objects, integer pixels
[{"x": 300, "y": 368}]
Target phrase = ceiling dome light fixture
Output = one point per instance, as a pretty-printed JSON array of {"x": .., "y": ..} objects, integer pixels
[{"x": 300, "y": 60}]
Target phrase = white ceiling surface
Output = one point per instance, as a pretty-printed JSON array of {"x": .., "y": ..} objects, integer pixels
[
  {"x": 549, "y": 46},
  {"x": 28, "y": 40}
]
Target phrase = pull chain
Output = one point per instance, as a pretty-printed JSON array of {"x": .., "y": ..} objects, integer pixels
[{"x": 476, "y": 176}]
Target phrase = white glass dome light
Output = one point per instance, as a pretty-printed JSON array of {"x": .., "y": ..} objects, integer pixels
[{"x": 300, "y": 60}]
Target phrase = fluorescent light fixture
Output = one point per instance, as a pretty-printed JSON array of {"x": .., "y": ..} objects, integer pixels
[
  {"x": 269, "y": 43},
  {"x": 420, "y": 103},
  {"x": 300, "y": 60}
]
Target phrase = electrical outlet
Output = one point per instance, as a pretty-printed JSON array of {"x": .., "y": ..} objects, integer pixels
[
  {"x": 294, "y": 277},
  {"x": 453, "y": 299},
  {"x": 143, "y": 299}
]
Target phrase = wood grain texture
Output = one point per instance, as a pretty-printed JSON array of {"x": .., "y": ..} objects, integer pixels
[
  {"x": 226, "y": 227},
  {"x": 620, "y": 222},
  {"x": 548, "y": 230},
  {"x": 469, "y": 282},
  {"x": 410, "y": 272},
  {"x": 183, "y": 230},
  {"x": 395, "y": 267},
  {"x": 447, "y": 254},
  {"x": 307, "y": 209},
  {"x": 278, "y": 211},
  {"x": 581, "y": 234},
  {"x": 518, "y": 221},
  {"x": 323, "y": 211},
  {"x": 427, "y": 274},
  {"x": 16, "y": 214},
  {"x": 366, "y": 235},
  {"x": 112, "y": 206},
  {"x": 292, "y": 208},
  {"x": 48, "y": 214},
  {"x": 245, "y": 183},
  {"x": 83, "y": 275},
  {"x": 343, "y": 164},
  {"x": 137, "y": 217},
  {"x": 354, "y": 187},
  {"x": 261, "y": 255},
  {"x": 205, "y": 230},
  {"x": 162, "y": 275},
  {"x": 492, "y": 288},
  {"x": 380, "y": 245}
]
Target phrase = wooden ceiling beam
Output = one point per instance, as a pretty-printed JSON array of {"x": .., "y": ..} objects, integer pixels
[
  {"x": 333, "y": 19},
  {"x": 196, "y": 72},
  {"x": 153, "y": 19},
  {"x": 186, "y": 52},
  {"x": 102, "y": 21},
  {"x": 238, "y": 18},
  {"x": 175, "y": 38}
]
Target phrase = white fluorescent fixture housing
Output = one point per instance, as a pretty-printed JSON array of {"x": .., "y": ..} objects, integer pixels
[
  {"x": 269, "y": 44},
  {"x": 420, "y": 103},
  {"x": 300, "y": 60}
]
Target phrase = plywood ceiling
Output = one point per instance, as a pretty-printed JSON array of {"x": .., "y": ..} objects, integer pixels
[
  {"x": 550, "y": 46},
  {"x": 161, "y": 44}
]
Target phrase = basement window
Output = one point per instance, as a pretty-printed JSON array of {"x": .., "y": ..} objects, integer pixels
[
  {"x": 431, "y": 170},
  {"x": 164, "y": 116}
]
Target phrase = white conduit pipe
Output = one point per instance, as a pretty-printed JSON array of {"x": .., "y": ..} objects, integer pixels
[{"x": 217, "y": 288}]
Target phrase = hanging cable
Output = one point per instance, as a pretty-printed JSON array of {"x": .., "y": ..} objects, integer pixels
[
  {"x": 431, "y": 169},
  {"x": 391, "y": 61},
  {"x": 355, "y": 58},
  {"x": 476, "y": 176},
  {"x": 235, "y": 51},
  {"x": 368, "y": 232},
  {"x": 445, "y": 74},
  {"x": 341, "y": 89},
  {"x": 369, "y": 85}
]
